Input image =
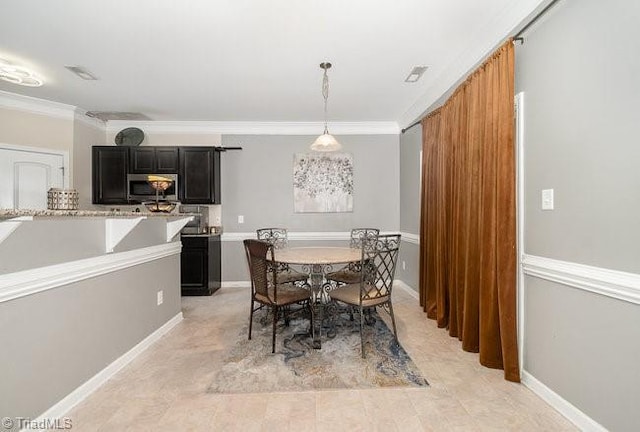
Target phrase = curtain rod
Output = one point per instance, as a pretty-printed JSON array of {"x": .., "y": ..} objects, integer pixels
[
  {"x": 410, "y": 126},
  {"x": 517, "y": 38}
]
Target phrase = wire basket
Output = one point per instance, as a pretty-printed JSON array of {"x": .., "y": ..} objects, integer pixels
[{"x": 62, "y": 199}]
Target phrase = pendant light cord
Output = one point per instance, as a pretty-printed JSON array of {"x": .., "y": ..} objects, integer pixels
[{"x": 325, "y": 95}]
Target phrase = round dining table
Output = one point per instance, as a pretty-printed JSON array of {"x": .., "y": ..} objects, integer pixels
[{"x": 318, "y": 261}]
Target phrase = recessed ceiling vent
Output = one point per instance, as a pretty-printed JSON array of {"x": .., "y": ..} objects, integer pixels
[
  {"x": 415, "y": 74},
  {"x": 82, "y": 73},
  {"x": 116, "y": 115}
]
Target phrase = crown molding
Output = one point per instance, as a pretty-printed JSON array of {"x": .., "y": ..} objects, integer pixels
[
  {"x": 484, "y": 43},
  {"x": 257, "y": 127},
  {"x": 36, "y": 106}
]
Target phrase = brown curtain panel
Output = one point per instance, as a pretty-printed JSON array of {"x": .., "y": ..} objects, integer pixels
[{"x": 468, "y": 217}]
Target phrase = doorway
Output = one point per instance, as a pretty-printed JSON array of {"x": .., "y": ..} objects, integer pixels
[{"x": 27, "y": 173}]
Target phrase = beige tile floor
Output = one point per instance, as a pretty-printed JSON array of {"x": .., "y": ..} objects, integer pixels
[{"x": 165, "y": 387}]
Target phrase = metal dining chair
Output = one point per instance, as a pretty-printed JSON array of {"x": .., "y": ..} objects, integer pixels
[
  {"x": 265, "y": 288},
  {"x": 279, "y": 238},
  {"x": 351, "y": 273},
  {"x": 378, "y": 264}
]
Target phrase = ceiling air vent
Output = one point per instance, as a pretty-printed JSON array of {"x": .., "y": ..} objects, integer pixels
[
  {"x": 415, "y": 74},
  {"x": 117, "y": 115},
  {"x": 82, "y": 73}
]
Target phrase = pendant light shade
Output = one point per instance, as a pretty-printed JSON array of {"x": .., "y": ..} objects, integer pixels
[{"x": 325, "y": 142}]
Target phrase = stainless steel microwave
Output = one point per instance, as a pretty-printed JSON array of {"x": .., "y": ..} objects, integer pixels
[{"x": 140, "y": 189}]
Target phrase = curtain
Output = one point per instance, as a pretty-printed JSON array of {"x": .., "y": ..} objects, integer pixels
[{"x": 468, "y": 218}]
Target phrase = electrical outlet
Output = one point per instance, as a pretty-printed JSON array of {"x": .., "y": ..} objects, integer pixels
[
  {"x": 160, "y": 297},
  {"x": 404, "y": 265},
  {"x": 240, "y": 219}
]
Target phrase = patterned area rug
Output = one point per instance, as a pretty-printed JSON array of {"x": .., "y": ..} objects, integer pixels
[{"x": 250, "y": 367}]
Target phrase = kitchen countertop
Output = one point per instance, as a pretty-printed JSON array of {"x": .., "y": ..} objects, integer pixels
[
  {"x": 201, "y": 235},
  {"x": 13, "y": 213}
]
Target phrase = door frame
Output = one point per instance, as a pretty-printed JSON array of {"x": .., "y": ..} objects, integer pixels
[
  {"x": 44, "y": 150},
  {"x": 520, "y": 222}
]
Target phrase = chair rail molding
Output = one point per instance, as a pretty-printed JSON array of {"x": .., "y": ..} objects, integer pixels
[
  {"x": 27, "y": 282},
  {"x": 610, "y": 283},
  {"x": 410, "y": 238},
  {"x": 310, "y": 235}
]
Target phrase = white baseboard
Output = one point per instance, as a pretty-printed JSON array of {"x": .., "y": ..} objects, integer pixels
[
  {"x": 92, "y": 384},
  {"x": 407, "y": 288},
  {"x": 235, "y": 284},
  {"x": 573, "y": 414}
]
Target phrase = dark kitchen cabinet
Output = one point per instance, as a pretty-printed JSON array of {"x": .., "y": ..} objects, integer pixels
[
  {"x": 154, "y": 160},
  {"x": 109, "y": 174},
  {"x": 200, "y": 272},
  {"x": 199, "y": 175}
]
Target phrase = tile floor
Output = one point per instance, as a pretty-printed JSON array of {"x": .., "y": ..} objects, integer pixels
[{"x": 165, "y": 387}]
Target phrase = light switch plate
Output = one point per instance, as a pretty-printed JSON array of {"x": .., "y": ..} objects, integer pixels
[
  {"x": 160, "y": 297},
  {"x": 240, "y": 219},
  {"x": 547, "y": 199}
]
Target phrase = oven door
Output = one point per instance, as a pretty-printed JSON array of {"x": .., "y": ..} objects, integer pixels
[{"x": 139, "y": 189}]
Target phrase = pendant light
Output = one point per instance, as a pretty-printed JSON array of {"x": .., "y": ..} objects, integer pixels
[{"x": 325, "y": 142}]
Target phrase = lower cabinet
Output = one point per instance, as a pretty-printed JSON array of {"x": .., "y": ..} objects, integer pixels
[{"x": 200, "y": 264}]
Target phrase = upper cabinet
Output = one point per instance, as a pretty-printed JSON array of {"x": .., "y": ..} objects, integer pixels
[
  {"x": 153, "y": 160},
  {"x": 199, "y": 175},
  {"x": 198, "y": 170},
  {"x": 110, "y": 166}
]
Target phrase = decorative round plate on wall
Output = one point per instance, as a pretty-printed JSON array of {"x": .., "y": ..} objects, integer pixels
[{"x": 130, "y": 137}]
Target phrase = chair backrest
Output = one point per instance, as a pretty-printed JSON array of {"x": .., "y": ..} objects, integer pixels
[
  {"x": 358, "y": 235},
  {"x": 262, "y": 269},
  {"x": 278, "y": 237},
  {"x": 379, "y": 259}
]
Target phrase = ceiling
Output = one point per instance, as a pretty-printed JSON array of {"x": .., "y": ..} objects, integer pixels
[{"x": 252, "y": 60}]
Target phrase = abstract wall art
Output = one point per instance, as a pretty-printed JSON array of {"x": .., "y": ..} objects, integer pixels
[{"x": 322, "y": 182}]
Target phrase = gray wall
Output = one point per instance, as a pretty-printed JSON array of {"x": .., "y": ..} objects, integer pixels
[
  {"x": 55, "y": 340},
  {"x": 579, "y": 70},
  {"x": 257, "y": 183},
  {"x": 410, "y": 146},
  {"x": 84, "y": 136}
]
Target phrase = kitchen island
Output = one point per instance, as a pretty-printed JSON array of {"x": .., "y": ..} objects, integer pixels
[{"x": 81, "y": 294}]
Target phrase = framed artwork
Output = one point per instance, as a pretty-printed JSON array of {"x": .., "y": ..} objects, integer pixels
[{"x": 322, "y": 182}]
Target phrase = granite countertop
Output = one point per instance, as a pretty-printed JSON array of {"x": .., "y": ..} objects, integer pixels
[
  {"x": 13, "y": 213},
  {"x": 202, "y": 234}
]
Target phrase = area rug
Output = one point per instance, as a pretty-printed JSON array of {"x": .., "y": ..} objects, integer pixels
[{"x": 250, "y": 367}]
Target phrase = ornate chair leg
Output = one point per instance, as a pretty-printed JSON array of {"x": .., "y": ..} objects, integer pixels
[
  {"x": 275, "y": 320},
  {"x": 361, "y": 330},
  {"x": 286, "y": 315},
  {"x": 393, "y": 320}
]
